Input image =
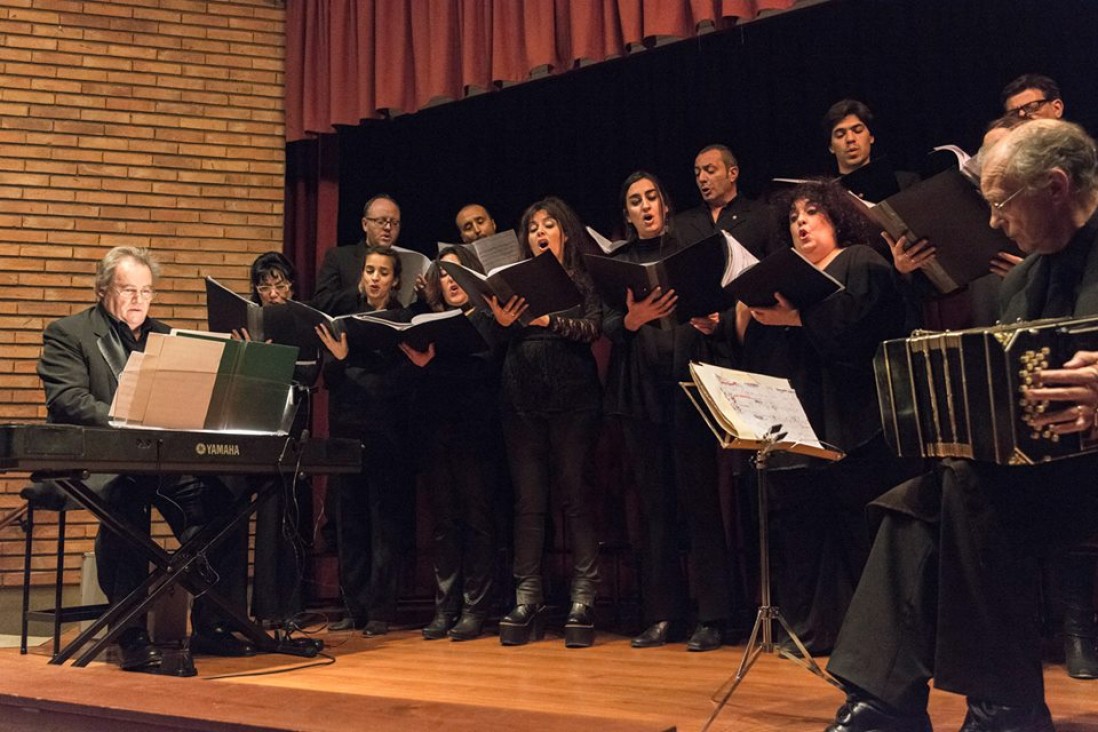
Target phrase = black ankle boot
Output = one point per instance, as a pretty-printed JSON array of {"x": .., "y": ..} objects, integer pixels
[
  {"x": 579, "y": 628},
  {"x": 522, "y": 625},
  {"x": 1081, "y": 657},
  {"x": 470, "y": 627},
  {"x": 440, "y": 625}
]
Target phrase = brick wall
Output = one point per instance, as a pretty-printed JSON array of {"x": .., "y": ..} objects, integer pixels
[{"x": 153, "y": 123}]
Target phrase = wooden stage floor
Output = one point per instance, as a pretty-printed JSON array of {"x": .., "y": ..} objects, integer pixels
[{"x": 401, "y": 682}]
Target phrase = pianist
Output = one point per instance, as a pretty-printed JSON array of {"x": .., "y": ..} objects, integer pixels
[
  {"x": 82, "y": 356},
  {"x": 950, "y": 589}
]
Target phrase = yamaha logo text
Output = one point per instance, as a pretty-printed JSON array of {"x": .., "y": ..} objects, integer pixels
[{"x": 226, "y": 449}]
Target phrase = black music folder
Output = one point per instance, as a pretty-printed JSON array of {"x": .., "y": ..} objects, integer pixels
[
  {"x": 949, "y": 211},
  {"x": 291, "y": 323},
  {"x": 541, "y": 280},
  {"x": 450, "y": 331},
  {"x": 227, "y": 311},
  {"x": 788, "y": 272},
  {"x": 497, "y": 250},
  {"x": 698, "y": 274}
]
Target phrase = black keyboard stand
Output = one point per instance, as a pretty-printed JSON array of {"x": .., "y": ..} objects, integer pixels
[{"x": 170, "y": 568}]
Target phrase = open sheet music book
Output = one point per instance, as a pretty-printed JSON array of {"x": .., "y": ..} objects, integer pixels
[
  {"x": 412, "y": 265},
  {"x": 741, "y": 409},
  {"x": 699, "y": 274},
  {"x": 541, "y": 280},
  {"x": 497, "y": 250},
  {"x": 948, "y": 210}
]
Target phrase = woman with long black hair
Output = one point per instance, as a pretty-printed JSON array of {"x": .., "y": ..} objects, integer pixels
[{"x": 551, "y": 421}]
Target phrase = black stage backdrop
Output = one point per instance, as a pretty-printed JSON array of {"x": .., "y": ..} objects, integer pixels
[{"x": 931, "y": 70}]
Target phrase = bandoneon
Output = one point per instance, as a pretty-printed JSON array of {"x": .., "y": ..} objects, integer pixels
[{"x": 959, "y": 393}]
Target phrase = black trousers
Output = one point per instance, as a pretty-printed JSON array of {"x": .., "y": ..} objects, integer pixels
[
  {"x": 950, "y": 590},
  {"x": 675, "y": 468},
  {"x": 541, "y": 447},
  {"x": 186, "y": 504},
  {"x": 282, "y": 526},
  {"x": 461, "y": 473},
  {"x": 820, "y": 537},
  {"x": 374, "y": 523}
]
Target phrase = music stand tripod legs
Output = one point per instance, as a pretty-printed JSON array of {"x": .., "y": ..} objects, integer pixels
[{"x": 761, "y": 639}]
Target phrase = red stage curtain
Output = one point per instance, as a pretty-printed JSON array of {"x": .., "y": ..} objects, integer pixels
[{"x": 350, "y": 60}]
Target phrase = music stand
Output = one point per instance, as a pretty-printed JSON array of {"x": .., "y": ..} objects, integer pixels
[{"x": 761, "y": 639}]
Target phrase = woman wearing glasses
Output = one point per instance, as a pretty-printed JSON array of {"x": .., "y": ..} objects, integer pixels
[{"x": 283, "y": 522}]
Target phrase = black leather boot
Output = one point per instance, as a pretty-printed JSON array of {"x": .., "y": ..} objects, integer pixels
[
  {"x": 470, "y": 627},
  {"x": 522, "y": 625},
  {"x": 579, "y": 628},
  {"x": 440, "y": 625}
]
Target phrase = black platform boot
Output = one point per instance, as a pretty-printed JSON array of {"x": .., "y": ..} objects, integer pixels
[
  {"x": 522, "y": 625},
  {"x": 579, "y": 628}
]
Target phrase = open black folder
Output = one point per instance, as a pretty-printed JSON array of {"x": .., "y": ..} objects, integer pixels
[
  {"x": 293, "y": 323},
  {"x": 788, "y": 272},
  {"x": 949, "y": 211},
  {"x": 698, "y": 274},
  {"x": 450, "y": 331},
  {"x": 541, "y": 280}
]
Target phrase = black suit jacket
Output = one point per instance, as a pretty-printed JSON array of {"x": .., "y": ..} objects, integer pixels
[
  {"x": 82, "y": 357},
  {"x": 1023, "y": 292},
  {"x": 752, "y": 223},
  {"x": 337, "y": 282}
]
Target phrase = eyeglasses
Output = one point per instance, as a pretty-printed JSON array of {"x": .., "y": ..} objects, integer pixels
[
  {"x": 144, "y": 293},
  {"x": 1029, "y": 108},
  {"x": 997, "y": 207},
  {"x": 281, "y": 288},
  {"x": 384, "y": 222}
]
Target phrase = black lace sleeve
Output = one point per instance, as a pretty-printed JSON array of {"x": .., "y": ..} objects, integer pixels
[{"x": 585, "y": 326}]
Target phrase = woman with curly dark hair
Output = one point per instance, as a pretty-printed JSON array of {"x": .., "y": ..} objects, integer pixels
[
  {"x": 551, "y": 420},
  {"x": 820, "y": 539}
]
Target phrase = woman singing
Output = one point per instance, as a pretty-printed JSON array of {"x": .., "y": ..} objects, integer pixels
[
  {"x": 672, "y": 453},
  {"x": 456, "y": 407},
  {"x": 551, "y": 423},
  {"x": 819, "y": 535},
  {"x": 370, "y": 401}
]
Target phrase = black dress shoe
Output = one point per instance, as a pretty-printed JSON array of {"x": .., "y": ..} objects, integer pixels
[
  {"x": 137, "y": 652},
  {"x": 470, "y": 627},
  {"x": 579, "y": 628},
  {"x": 375, "y": 628},
  {"x": 440, "y": 625},
  {"x": 349, "y": 622},
  {"x": 657, "y": 634},
  {"x": 986, "y": 717},
  {"x": 1080, "y": 657},
  {"x": 864, "y": 714},
  {"x": 219, "y": 641},
  {"x": 522, "y": 625},
  {"x": 706, "y": 637}
]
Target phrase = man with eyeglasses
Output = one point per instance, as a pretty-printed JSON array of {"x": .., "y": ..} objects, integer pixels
[
  {"x": 951, "y": 588},
  {"x": 338, "y": 284},
  {"x": 1033, "y": 96},
  {"x": 82, "y": 357}
]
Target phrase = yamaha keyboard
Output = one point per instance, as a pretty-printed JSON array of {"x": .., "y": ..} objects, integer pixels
[{"x": 67, "y": 448}]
